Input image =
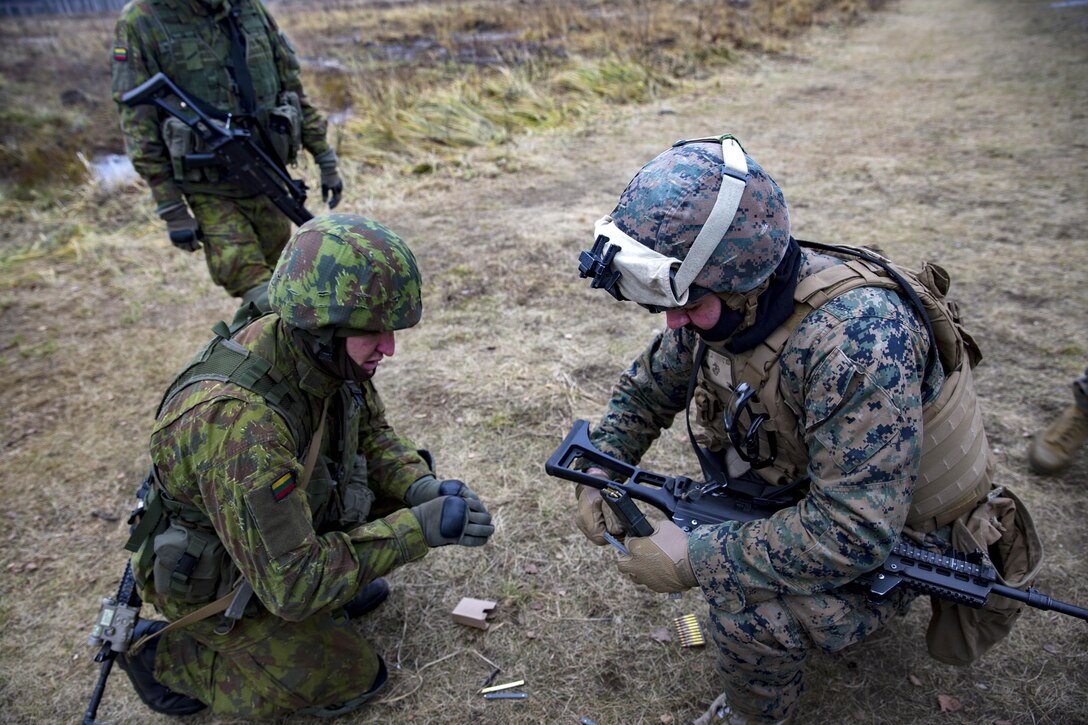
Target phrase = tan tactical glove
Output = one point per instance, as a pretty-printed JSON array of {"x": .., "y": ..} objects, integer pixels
[
  {"x": 660, "y": 561},
  {"x": 594, "y": 517}
]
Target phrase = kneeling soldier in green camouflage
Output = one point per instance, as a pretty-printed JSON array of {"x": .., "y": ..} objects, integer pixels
[
  {"x": 276, "y": 474},
  {"x": 807, "y": 368}
]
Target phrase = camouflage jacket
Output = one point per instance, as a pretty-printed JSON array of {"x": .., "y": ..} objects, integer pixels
[
  {"x": 187, "y": 41},
  {"x": 222, "y": 449},
  {"x": 851, "y": 374}
]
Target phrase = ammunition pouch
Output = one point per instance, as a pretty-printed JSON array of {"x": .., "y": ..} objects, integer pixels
[
  {"x": 190, "y": 564},
  {"x": 283, "y": 127},
  {"x": 339, "y": 506},
  {"x": 1001, "y": 527},
  {"x": 188, "y": 157}
]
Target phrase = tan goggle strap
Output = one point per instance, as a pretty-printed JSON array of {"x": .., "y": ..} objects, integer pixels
[
  {"x": 648, "y": 277},
  {"x": 734, "y": 178}
]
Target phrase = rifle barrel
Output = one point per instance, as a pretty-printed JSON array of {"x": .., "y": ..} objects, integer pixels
[{"x": 1034, "y": 598}]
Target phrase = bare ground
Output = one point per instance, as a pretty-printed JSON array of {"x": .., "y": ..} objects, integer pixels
[{"x": 951, "y": 130}]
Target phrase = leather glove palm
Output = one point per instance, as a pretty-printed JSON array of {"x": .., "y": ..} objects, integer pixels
[
  {"x": 660, "y": 561},
  {"x": 183, "y": 229},
  {"x": 453, "y": 520},
  {"x": 594, "y": 517},
  {"x": 331, "y": 184}
]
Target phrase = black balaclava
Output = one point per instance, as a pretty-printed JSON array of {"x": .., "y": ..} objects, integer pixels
[{"x": 773, "y": 306}]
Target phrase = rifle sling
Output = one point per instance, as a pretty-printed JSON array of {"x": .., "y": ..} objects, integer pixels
[{"x": 239, "y": 69}]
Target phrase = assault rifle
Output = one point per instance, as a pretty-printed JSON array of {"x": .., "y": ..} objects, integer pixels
[
  {"x": 962, "y": 578},
  {"x": 112, "y": 634},
  {"x": 232, "y": 150}
]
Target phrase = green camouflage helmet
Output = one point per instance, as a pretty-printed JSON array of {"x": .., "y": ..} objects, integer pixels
[
  {"x": 669, "y": 199},
  {"x": 346, "y": 273}
]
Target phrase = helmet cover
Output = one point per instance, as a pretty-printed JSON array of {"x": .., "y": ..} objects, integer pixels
[
  {"x": 669, "y": 199},
  {"x": 348, "y": 273}
]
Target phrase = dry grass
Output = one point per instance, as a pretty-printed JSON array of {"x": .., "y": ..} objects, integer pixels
[
  {"x": 947, "y": 131},
  {"x": 403, "y": 79}
]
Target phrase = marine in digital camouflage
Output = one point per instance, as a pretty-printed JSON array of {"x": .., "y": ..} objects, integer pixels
[
  {"x": 852, "y": 371},
  {"x": 186, "y": 40},
  {"x": 324, "y": 281},
  {"x": 851, "y": 375},
  {"x": 666, "y": 203}
]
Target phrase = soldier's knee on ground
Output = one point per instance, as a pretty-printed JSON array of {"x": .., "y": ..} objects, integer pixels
[
  {"x": 140, "y": 668},
  {"x": 355, "y": 703}
]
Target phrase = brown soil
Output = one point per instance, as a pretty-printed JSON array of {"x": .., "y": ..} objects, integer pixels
[{"x": 951, "y": 131}]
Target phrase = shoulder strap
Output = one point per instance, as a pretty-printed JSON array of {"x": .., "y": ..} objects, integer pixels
[
  {"x": 224, "y": 360},
  {"x": 903, "y": 285}
]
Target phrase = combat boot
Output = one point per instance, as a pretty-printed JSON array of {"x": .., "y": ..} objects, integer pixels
[
  {"x": 140, "y": 668},
  {"x": 1053, "y": 449},
  {"x": 720, "y": 713},
  {"x": 367, "y": 600}
]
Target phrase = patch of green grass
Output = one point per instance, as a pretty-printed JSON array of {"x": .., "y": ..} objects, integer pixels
[
  {"x": 517, "y": 591},
  {"x": 133, "y": 314}
]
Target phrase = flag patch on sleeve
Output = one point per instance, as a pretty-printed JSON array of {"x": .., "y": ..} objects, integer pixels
[
  {"x": 120, "y": 53},
  {"x": 284, "y": 486}
]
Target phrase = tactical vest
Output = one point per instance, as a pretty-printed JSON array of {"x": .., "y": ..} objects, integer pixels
[
  {"x": 204, "y": 571},
  {"x": 197, "y": 55},
  {"x": 955, "y": 463}
]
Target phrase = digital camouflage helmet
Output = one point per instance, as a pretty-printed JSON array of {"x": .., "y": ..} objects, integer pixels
[
  {"x": 700, "y": 217},
  {"x": 347, "y": 274}
]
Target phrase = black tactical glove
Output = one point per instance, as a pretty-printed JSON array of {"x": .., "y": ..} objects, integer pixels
[
  {"x": 183, "y": 229},
  {"x": 430, "y": 487},
  {"x": 453, "y": 520},
  {"x": 331, "y": 185}
]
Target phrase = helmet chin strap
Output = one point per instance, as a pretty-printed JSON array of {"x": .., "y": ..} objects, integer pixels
[{"x": 330, "y": 355}]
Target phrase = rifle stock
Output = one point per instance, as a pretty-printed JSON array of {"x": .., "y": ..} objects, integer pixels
[
  {"x": 243, "y": 162},
  {"x": 962, "y": 578}
]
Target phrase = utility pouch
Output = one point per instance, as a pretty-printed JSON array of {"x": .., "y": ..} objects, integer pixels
[
  {"x": 356, "y": 499},
  {"x": 1002, "y": 527},
  {"x": 190, "y": 564},
  {"x": 350, "y": 502},
  {"x": 284, "y": 127},
  {"x": 180, "y": 142}
]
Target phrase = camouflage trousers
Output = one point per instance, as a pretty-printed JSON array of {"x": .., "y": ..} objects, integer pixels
[
  {"x": 267, "y": 666},
  {"x": 763, "y": 647},
  {"x": 243, "y": 238}
]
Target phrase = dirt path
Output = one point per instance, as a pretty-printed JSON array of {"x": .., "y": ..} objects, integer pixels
[{"x": 952, "y": 130}]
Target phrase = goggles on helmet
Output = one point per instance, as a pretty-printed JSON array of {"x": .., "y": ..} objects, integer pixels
[{"x": 631, "y": 270}]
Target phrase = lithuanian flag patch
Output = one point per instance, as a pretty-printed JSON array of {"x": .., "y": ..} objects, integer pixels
[
  {"x": 284, "y": 486},
  {"x": 120, "y": 53}
]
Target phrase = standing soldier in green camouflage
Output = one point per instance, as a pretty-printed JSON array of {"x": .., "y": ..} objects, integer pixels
[
  {"x": 804, "y": 367},
  {"x": 279, "y": 491},
  {"x": 231, "y": 57}
]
